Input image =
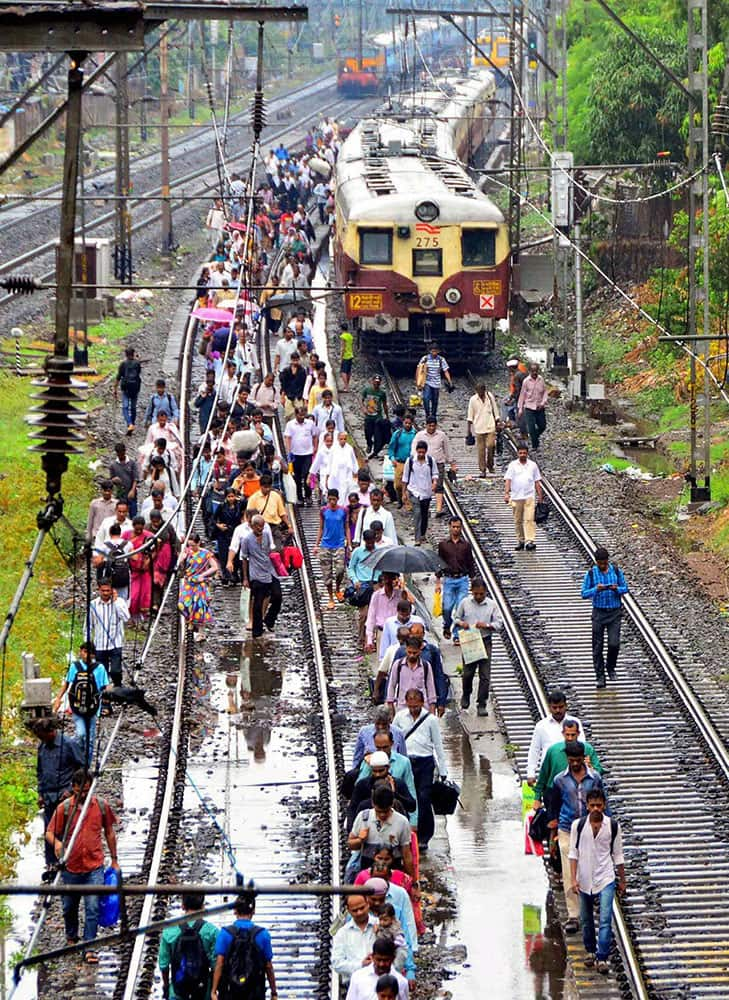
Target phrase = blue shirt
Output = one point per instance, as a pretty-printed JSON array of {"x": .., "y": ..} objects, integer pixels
[
  {"x": 157, "y": 404},
  {"x": 262, "y": 939},
  {"x": 333, "y": 527},
  {"x": 100, "y": 676},
  {"x": 366, "y": 742},
  {"x": 359, "y": 570},
  {"x": 569, "y": 797},
  {"x": 400, "y": 444},
  {"x": 607, "y": 600}
]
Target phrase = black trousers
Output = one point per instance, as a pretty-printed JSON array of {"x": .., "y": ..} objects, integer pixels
[
  {"x": 605, "y": 620},
  {"x": 49, "y": 807},
  {"x": 423, "y": 770},
  {"x": 375, "y": 434},
  {"x": 259, "y": 592},
  {"x": 302, "y": 465},
  {"x": 483, "y": 668},
  {"x": 536, "y": 425},
  {"x": 112, "y": 660}
]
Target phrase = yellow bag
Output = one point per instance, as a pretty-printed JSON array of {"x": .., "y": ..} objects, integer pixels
[
  {"x": 421, "y": 373},
  {"x": 437, "y": 604}
]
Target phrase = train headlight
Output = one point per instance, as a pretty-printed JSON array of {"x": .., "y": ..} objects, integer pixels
[
  {"x": 453, "y": 296},
  {"x": 427, "y": 211},
  {"x": 427, "y": 301}
]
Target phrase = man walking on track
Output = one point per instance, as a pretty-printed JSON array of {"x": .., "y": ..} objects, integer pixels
[
  {"x": 456, "y": 554},
  {"x": 244, "y": 951},
  {"x": 425, "y": 750},
  {"x": 331, "y": 546},
  {"x": 522, "y": 487},
  {"x": 481, "y": 420},
  {"x": 596, "y": 853},
  {"x": 374, "y": 408},
  {"x": 477, "y": 614},
  {"x": 432, "y": 369},
  {"x": 604, "y": 585},
  {"x": 259, "y": 575},
  {"x": 532, "y": 401}
]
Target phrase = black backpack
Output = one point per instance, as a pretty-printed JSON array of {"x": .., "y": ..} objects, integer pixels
[
  {"x": 190, "y": 966},
  {"x": 613, "y": 831},
  {"x": 244, "y": 971},
  {"x": 114, "y": 569},
  {"x": 130, "y": 377},
  {"x": 84, "y": 696}
]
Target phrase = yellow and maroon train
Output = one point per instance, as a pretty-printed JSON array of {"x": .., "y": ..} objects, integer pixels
[{"x": 423, "y": 253}]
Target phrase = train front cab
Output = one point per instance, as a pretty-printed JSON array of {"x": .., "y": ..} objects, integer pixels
[{"x": 410, "y": 284}]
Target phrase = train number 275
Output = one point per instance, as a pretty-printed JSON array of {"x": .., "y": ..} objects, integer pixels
[{"x": 427, "y": 242}]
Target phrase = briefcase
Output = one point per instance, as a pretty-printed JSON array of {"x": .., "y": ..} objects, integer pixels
[{"x": 444, "y": 797}]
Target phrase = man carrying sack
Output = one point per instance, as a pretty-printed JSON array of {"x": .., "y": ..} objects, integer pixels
[{"x": 478, "y": 618}]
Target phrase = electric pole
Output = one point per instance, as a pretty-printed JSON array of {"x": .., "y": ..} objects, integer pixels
[
  {"x": 164, "y": 146},
  {"x": 123, "y": 229},
  {"x": 516, "y": 60}
]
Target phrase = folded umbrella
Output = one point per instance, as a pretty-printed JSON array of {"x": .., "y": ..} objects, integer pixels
[
  {"x": 403, "y": 559},
  {"x": 211, "y": 313}
]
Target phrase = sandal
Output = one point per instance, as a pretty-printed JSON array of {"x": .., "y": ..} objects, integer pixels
[{"x": 91, "y": 958}]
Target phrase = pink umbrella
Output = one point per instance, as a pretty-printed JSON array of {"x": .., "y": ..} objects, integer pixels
[
  {"x": 239, "y": 226},
  {"x": 209, "y": 313}
]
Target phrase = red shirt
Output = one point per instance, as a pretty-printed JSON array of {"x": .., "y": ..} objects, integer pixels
[{"x": 88, "y": 850}]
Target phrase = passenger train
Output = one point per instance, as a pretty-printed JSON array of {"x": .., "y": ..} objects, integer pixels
[{"x": 423, "y": 253}]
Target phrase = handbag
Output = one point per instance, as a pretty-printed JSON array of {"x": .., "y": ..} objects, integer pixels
[
  {"x": 245, "y": 606},
  {"x": 470, "y": 440},
  {"x": 388, "y": 469},
  {"x": 541, "y": 512},
  {"x": 444, "y": 797},
  {"x": 421, "y": 373},
  {"x": 358, "y": 598}
]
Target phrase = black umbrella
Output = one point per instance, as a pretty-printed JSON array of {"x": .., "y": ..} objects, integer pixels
[{"x": 403, "y": 559}]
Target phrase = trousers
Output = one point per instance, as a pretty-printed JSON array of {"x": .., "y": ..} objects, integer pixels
[
  {"x": 536, "y": 425},
  {"x": 573, "y": 904},
  {"x": 87, "y": 748},
  {"x": 423, "y": 770},
  {"x": 526, "y": 529},
  {"x": 259, "y": 592},
  {"x": 332, "y": 567},
  {"x": 605, "y": 620},
  {"x": 430, "y": 400},
  {"x": 485, "y": 447},
  {"x": 400, "y": 489},
  {"x": 302, "y": 465},
  {"x": 483, "y": 668},
  {"x": 601, "y": 947},
  {"x": 112, "y": 660},
  {"x": 91, "y": 904},
  {"x": 455, "y": 588},
  {"x": 129, "y": 409},
  {"x": 421, "y": 512},
  {"x": 374, "y": 428}
]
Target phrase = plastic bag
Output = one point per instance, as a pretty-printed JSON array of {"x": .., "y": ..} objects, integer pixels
[
  {"x": 245, "y": 606},
  {"x": 109, "y": 906},
  {"x": 437, "y": 604},
  {"x": 388, "y": 469}
]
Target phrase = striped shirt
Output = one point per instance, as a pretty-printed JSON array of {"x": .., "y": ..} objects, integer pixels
[
  {"x": 606, "y": 600},
  {"x": 435, "y": 369},
  {"x": 107, "y": 622}
]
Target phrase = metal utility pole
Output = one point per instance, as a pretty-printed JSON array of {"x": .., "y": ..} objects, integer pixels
[
  {"x": 580, "y": 360},
  {"x": 516, "y": 60},
  {"x": 123, "y": 229},
  {"x": 190, "y": 75},
  {"x": 698, "y": 254},
  {"x": 164, "y": 146}
]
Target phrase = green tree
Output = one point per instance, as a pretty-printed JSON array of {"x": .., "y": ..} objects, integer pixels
[{"x": 632, "y": 111}]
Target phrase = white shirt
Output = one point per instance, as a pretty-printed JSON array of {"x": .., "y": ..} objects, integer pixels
[
  {"x": 322, "y": 413},
  {"x": 595, "y": 863},
  {"x": 522, "y": 476},
  {"x": 426, "y": 740},
  {"x": 418, "y": 477},
  {"x": 107, "y": 622},
  {"x": 363, "y": 982},
  {"x": 352, "y": 945},
  {"x": 102, "y": 535},
  {"x": 389, "y": 629},
  {"x": 228, "y": 388},
  {"x": 285, "y": 350},
  {"x": 482, "y": 413},
  {"x": 365, "y": 518},
  {"x": 169, "y": 506},
  {"x": 243, "y": 530},
  {"x": 546, "y": 733},
  {"x": 301, "y": 436}
]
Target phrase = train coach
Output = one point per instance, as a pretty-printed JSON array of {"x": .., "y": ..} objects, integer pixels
[{"x": 423, "y": 253}]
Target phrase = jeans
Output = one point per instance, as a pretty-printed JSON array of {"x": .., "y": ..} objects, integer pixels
[
  {"x": 421, "y": 512},
  {"x": 302, "y": 465},
  {"x": 80, "y": 724},
  {"x": 423, "y": 769},
  {"x": 129, "y": 409},
  {"x": 49, "y": 807},
  {"x": 91, "y": 903},
  {"x": 587, "y": 918},
  {"x": 536, "y": 425},
  {"x": 605, "y": 620},
  {"x": 112, "y": 660},
  {"x": 375, "y": 433},
  {"x": 430, "y": 401},
  {"x": 483, "y": 667},
  {"x": 455, "y": 588},
  {"x": 259, "y": 592}
]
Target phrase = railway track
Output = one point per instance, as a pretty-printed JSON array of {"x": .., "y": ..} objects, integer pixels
[
  {"x": 39, "y": 256},
  {"x": 661, "y": 747}
]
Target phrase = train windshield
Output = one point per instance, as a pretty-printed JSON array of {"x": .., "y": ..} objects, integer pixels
[
  {"x": 478, "y": 247},
  {"x": 375, "y": 246},
  {"x": 427, "y": 263}
]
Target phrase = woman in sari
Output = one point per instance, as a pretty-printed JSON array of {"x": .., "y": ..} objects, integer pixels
[
  {"x": 342, "y": 466},
  {"x": 382, "y": 868},
  {"x": 194, "y": 603},
  {"x": 140, "y": 571},
  {"x": 163, "y": 556}
]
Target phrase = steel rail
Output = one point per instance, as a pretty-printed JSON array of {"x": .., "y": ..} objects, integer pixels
[{"x": 536, "y": 690}]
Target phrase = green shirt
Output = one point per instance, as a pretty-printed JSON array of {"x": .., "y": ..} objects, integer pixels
[
  {"x": 555, "y": 760},
  {"x": 209, "y": 935},
  {"x": 347, "y": 345},
  {"x": 374, "y": 400}
]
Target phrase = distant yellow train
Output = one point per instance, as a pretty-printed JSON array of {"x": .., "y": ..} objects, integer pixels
[{"x": 498, "y": 49}]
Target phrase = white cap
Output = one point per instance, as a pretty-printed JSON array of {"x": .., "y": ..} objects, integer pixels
[
  {"x": 512, "y": 362},
  {"x": 378, "y": 759}
]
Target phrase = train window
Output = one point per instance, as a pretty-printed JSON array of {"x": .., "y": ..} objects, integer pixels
[
  {"x": 375, "y": 246},
  {"x": 427, "y": 263},
  {"x": 478, "y": 247},
  {"x": 503, "y": 51}
]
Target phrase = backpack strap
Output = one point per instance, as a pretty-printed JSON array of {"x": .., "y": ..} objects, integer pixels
[
  {"x": 580, "y": 828},
  {"x": 614, "y": 827}
]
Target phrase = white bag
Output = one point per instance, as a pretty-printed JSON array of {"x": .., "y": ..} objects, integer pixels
[
  {"x": 245, "y": 606},
  {"x": 289, "y": 488}
]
